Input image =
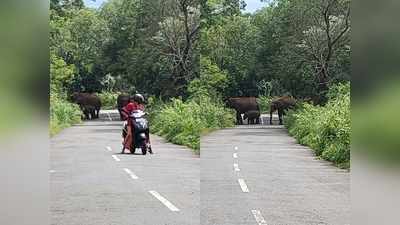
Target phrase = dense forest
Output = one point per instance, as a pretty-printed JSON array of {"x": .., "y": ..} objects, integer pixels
[
  {"x": 154, "y": 47},
  {"x": 291, "y": 47},
  {"x": 143, "y": 46}
]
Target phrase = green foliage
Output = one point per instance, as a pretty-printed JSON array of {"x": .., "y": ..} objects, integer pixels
[
  {"x": 264, "y": 102},
  {"x": 284, "y": 45},
  {"x": 232, "y": 47},
  {"x": 61, "y": 74},
  {"x": 326, "y": 129},
  {"x": 62, "y": 114},
  {"x": 183, "y": 122},
  {"x": 108, "y": 100},
  {"x": 212, "y": 80}
]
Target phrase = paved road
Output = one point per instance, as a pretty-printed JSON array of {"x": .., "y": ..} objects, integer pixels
[
  {"x": 257, "y": 174},
  {"x": 92, "y": 184}
]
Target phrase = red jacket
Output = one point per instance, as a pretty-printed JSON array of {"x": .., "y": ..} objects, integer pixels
[{"x": 130, "y": 107}]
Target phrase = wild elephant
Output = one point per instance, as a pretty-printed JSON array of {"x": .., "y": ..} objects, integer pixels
[
  {"x": 89, "y": 103},
  {"x": 253, "y": 116},
  {"x": 281, "y": 104},
  {"x": 122, "y": 101},
  {"x": 242, "y": 105}
]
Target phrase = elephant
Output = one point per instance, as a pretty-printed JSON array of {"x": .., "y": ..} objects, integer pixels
[
  {"x": 89, "y": 103},
  {"x": 242, "y": 105},
  {"x": 122, "y": 101},
  {"x": 281, "y": 104},
  {"x": 253, "y": 116}
]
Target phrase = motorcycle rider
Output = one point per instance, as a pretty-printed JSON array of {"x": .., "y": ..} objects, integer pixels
[{"x": 135, "y": 103}]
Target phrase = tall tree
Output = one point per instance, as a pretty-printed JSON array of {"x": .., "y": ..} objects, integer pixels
[{"x": 178, "y": 35}]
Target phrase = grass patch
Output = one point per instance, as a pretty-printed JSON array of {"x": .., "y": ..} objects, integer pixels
[
  {"x": 62, "y": 115},
  {"x": 264, "y": 102},
  {"x": 184, "y": 122},
  {"x": 108, "y": 100},
  {"x": 325, "y": 129}
]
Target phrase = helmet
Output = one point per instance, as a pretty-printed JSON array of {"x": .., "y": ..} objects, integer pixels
[{"x": 138, "y": 98}]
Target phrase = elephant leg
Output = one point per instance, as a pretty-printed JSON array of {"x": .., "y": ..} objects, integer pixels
[
  {"x": 270, "y": 117},
  {"x": 120, "y": 115},
  {"x": 87, "y": 116},
  {"x": 93, "y": 114},
  {"x": 280, "y": 113},
  {"x": 239, "y": 120}
]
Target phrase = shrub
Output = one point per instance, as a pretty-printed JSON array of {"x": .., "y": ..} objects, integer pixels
[
  {"x": 62, "y": 114},
  {"x": 183, "y": 122},
  {"x": 264, "y": 103},
  {"x": 108, "y": 100},
  {"x": 326, "y": 129}
]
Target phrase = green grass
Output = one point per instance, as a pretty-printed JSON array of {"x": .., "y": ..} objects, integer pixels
[
  {"x": 108, "y": 100},
  {"x": 62, "y": 115},
  {"x": 184, "y": 122},
  {"x": 326, "y": 129},
  {"x": 264, "y": 103}
]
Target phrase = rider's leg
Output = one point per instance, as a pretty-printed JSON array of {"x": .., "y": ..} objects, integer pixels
[{"x": 128, "y": 142}]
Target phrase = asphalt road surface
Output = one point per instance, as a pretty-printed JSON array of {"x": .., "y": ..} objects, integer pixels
[
  {"x": 92, "y": 184},
  {"x": 258, "y": 175}
]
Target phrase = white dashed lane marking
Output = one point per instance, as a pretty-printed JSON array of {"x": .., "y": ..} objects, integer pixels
[
  {"x": 109, "y": 148},
  {"x": 235, "y": 155},
  {"x": 52, "y": 171},
  {"x": 259, "y": 218},
  {"x": 236, "y": 167},
  {"x": 164, "y": 201},
  {"x": 236, "y": 148},
  {"x": 131, "y": 174},
  {"x": 116, "y": 158},
  {"x": 243, "y": 185}
]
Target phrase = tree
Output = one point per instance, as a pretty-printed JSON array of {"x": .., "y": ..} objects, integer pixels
[
  {"x": 232, "y": 47},
  {"x": 178, "y": 34},
  {"x": 326, "y": 34},
  {"x": 295, "y": 47},
  {"x": 212, "y": 81}
]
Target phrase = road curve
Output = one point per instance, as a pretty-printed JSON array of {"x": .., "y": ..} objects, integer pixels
[
  {"x": 92, "y": 184},
  {"x": 258, "y": 175}
]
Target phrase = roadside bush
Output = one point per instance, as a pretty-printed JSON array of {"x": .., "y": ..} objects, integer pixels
[
  {"x": 108, "y": 100},
  {"x": 326, "y": 129},
  {"x": 62, "y": 114},
  {"x": 183, "y": 122},
  {"x": 264, "y": 103}
]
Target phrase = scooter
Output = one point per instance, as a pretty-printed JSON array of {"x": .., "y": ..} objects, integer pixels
[{"x": 141, "y": 132}]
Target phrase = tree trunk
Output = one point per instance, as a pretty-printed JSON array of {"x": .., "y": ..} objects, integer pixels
[{"x": 322, "y": 79}]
